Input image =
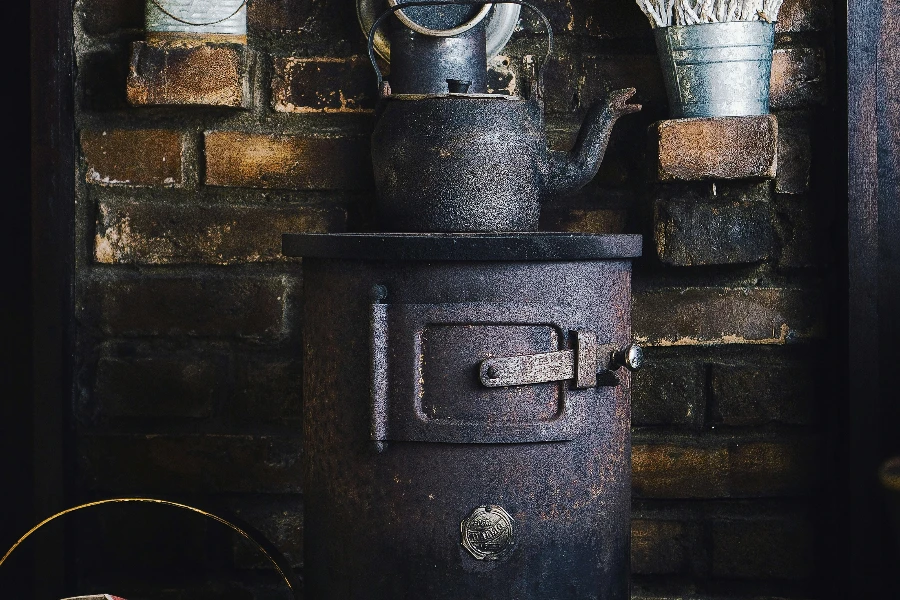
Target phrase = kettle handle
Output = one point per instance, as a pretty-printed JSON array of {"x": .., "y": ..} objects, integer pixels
[{"x": 401, "y": 5}]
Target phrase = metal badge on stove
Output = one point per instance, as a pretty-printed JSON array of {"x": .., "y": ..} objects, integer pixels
[{"x": 487, "y": 533}]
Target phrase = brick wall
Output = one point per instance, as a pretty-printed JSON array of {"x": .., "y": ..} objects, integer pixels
[{"x": 193, "y": 161}]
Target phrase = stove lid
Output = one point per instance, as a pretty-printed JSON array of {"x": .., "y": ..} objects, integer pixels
[{"x": 462, "y": 246}]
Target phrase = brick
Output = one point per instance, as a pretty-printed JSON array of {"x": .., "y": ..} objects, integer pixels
[
  {"x": 804, "y": 232},
  {"x": 762, "y": 548},
  {"x": 715, "y": 148},
  {"x": 721, "y": 470},
  {"x": 794, "y": 157},
  {"x": 252, "y": 308},
  {"x": 280, "y": 521},
  {"x": 670, "y": 471},
  {"x": 750, "y": 395},
  {"x": 611, "y": 20},
  {"x": 798, "y": 78},
  {"x": 804, "y": 15},
  {"x": 268, "y": 389},
  {"x": 660, "y": 547},
  {"x": 278, "y": 15},
  {"x": 689, "y": 233},
  {"x": 101, "y": 17},
  {"x": 703, "y": 316},
  {"x": 134, "y": 232},
  {"x": 578, "y": 220},
  {"x": 190, "y": 463},
  {"x": 771, "y": 469},
  {"x": 607, "y": 72},
  {"x": 138, "y": 538},
  {"x": 292, "y": 162},
  {"x": 668, "y": 392},
  {"x": 158, "y": 386},
  {"x": 204, "y": 74},
  {"x": 132, "y": 157},
  {"x": 305, "y": 85},
  {"x": 102, "y": 77}
]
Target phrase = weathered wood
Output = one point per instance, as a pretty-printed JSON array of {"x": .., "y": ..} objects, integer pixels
[{"x": 874, "y": 286}]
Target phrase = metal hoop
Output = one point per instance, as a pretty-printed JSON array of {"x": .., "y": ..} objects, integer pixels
[
  {"x": 393, "y": 9},
  {"x": 272, "y": 555},
  {"x": 500, "y": 26},
  {"x": 440, "y": 32}
]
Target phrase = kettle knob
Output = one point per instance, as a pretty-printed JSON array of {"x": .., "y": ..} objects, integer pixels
[{"x": 631, "y": 357}]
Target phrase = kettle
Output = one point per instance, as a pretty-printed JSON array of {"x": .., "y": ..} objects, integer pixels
[{"x": 477, "y": 162}]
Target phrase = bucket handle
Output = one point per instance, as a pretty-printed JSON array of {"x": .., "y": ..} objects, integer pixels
[
  {"x": 400, "y": 6},
  {"x": 265, "y": 548}
]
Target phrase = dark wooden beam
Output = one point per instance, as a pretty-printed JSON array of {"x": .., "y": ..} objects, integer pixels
[{"x": 53, "y": 179}]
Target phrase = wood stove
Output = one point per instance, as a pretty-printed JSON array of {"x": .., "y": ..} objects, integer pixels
[{"x": 466, "y": 419}]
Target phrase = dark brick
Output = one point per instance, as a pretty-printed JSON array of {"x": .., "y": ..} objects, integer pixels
[
  {"x": 690, "y": 233},
  {"x": 100, "y": 17},
  {"x": 277, "y": 15},
  {"x": 744, "y": 395},
  {"x": 723, "y": 470},
  {"x": 579, "y": 220},
  {"x": 102, "y": 77},
  {"x": 268, "y": 390},
  {"x": 304, "y": 85},
  {"x": 720, "y": 315},
  {"x": 280, "y": 521},
  {"x": 132, "y": 157},
  {"x": 715, "y": 148},
  {"x": 804, "y": 15},
  {"x": 798, "y": 78},
  {"x": 660, "y": 547},
  {"x": 141, "y": 538},
  {"x": 608, "y": 19},
  {"x": 190, "y": 463},
  {"x": 251, "y": 308},
  {"x": 604, "y": 73},
  {"x": 804, "y": 232},
  {"x": 158, "y": 386},
  {"x": 668, "y": 392},
  {"x": 794, "y": 156},
  {"x": 294, "y": 162},
  {"x": 135, "y": 232},
  {"x": 771, "y": 469},
  {"x": 204, "y": 74},
  {"x": 763, "y": 548}
]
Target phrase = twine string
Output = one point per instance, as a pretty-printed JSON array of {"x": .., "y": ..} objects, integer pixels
[{"x": 180, "y": 20}]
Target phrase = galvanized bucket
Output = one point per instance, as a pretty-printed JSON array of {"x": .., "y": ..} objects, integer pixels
[
  {"x": 717, "y": 69},
  {"x": 217, "y": 17}
]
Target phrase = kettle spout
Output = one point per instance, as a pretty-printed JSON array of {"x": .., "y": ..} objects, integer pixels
[{"x": 568, "y": 172}]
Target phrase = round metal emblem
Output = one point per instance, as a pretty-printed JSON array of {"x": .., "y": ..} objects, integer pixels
[{"x": 487, "y": 533}]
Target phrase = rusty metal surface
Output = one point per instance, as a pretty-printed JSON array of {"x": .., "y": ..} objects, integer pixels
[
  {"x": 464, "y": 247},
  {"x": 389, "y": 519},
  {"x": 471, "y": 162},
  {"x": 527, "y": 369}
]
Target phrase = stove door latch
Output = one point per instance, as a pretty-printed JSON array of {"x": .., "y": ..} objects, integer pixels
[{"x": 583, "y": 364}]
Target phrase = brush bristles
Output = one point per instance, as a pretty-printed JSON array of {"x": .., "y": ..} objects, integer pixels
[{"x": 665, "y": 13}]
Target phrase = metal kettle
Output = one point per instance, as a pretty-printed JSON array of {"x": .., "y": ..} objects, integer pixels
[{"x": 476, "y": 162}]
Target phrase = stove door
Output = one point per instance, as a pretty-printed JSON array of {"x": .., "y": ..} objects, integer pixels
[{"x": 425, "y": 373}]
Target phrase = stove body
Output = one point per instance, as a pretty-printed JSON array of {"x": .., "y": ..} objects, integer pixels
[{"x": 421, "y": 480}]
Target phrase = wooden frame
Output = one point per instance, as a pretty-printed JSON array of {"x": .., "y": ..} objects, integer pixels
[{"x": 873, "y": 269}]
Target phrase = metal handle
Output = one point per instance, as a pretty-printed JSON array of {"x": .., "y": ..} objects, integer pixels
[
  {"x": 392, "y": 9},
  {"x": 442, "y": 32},
  {"x": 379, "y": 375},
  {"x": 584, "y": 363},
  {"x": 265, "y": 547}
]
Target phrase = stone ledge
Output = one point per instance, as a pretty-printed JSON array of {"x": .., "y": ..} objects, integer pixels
[
  {"x": 716, "y": 148},
  {"x": 204, "y": 74}
]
